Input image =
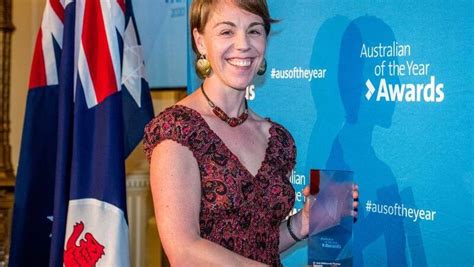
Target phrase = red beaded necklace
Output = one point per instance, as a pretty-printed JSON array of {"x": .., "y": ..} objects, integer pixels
[{"x": 234, "y": 121}]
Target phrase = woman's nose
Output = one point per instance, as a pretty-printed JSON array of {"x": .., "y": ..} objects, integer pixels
[{"x": 242, "y": 41}]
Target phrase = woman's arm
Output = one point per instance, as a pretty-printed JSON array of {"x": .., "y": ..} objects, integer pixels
[
  {"x": 299, "y": 226},
  {"x": 176, "y": 190}
]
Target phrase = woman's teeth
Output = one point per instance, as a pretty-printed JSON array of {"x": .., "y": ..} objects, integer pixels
[{"x": 240, "y": 62}]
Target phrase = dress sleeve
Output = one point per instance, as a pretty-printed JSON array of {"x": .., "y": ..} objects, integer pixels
[
  {"x": 171, "y": 124},
  {"x": 291, "y": 148},
  {"x": 286, "y": 149}
]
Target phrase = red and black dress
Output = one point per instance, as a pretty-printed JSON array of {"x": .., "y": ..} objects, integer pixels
[{"x": 239, "y": 211}]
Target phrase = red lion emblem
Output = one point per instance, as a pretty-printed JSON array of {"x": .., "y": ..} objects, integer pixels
[{"x": 87, "y": 254}]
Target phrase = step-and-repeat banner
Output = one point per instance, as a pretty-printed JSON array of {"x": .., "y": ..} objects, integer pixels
[{"x": 384, "y": 89}]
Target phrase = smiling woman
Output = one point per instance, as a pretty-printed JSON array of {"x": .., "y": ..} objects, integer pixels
[
  {"x": 233, "y": 40},
  {"x": 220, "y": 172}
]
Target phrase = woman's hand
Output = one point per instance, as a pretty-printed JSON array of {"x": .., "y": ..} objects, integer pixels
[{"x": 328, "y": 213}]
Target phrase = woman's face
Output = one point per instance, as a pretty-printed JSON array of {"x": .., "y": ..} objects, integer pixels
[{"x": 234, "y": 42}]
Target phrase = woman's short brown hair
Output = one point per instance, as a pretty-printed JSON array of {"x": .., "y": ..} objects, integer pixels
[{"x": 200, "y": 10}]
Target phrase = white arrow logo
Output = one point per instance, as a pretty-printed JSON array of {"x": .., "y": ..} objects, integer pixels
[{"x": 370, "y": 89}]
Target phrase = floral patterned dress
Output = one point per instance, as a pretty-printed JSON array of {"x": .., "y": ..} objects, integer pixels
[{"x": 239, "y": 211}]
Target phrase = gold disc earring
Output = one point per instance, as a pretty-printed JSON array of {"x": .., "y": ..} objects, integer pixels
[
  {"x": 263, "y": 67},
  {"x": 203, "y": 67}
]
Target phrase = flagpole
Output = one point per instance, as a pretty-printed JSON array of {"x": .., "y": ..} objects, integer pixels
[{"x": 7, "y": 178}]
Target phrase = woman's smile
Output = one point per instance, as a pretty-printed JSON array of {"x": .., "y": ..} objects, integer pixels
[{"x": 240, "y": 62}]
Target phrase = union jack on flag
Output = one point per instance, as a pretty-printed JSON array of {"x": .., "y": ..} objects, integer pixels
[{"x": 88, "y": 102}]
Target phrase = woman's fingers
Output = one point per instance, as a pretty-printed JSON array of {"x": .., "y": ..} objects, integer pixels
[
  {"x": 306, "y": 191},
  {"x": 337, "y": 190},
  {"x": 355, "y": 191},
  {"x": 355, "y": 203}
]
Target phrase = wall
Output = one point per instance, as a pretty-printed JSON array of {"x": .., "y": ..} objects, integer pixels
[
  {"x": 27, "y": 16},
  {"x": 348, "y": 108}
]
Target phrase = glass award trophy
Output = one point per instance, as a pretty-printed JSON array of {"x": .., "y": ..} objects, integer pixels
[{"x": 330, "y": 227}]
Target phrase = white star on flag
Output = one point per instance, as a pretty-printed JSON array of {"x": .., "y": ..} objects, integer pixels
[
  {"x": 133, "y": 66},
  {"x": 51, "y": 218}
]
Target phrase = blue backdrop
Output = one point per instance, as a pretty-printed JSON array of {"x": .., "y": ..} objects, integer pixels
[
  {"x": 162, "y": 27},
  {"x": 385, "y": 89}
]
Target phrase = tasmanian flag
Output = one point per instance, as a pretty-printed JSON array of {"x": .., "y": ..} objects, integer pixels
[{"x": 87, "y": 105}]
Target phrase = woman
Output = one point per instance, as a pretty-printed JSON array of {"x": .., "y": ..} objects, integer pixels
[{"x": 219, "y": 172}]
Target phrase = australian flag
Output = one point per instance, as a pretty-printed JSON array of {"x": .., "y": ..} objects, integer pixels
[{"x": 87, "y": 105}]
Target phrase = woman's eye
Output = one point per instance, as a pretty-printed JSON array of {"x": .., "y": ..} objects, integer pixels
[
  {"x": 226, "y": 33},
  {"x": 255, "y": 32}
]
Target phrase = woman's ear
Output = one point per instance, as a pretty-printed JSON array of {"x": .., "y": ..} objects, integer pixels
[{"x": 199, "y": 41}]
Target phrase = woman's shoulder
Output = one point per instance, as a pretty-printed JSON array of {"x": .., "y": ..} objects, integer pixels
[
  {"x": 282, "y": 132},
  {"x": 175, "y": 114},
  {"x": 282, "y": 146},
  {"x": 175, "y": 123},
  {"x": 275, "y": 128}
]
